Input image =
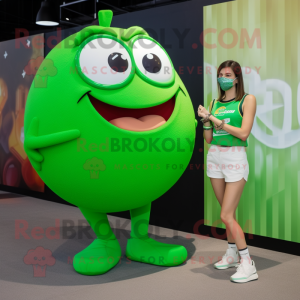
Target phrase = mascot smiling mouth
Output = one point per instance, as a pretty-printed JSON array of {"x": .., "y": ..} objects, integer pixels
[{"x": 134, "y": 119}]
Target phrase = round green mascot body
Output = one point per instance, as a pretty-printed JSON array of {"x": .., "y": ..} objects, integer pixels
[{"x": 109, "y": 125}]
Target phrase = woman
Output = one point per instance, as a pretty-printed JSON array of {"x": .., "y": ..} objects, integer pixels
[{"x": 227, "y": 128}]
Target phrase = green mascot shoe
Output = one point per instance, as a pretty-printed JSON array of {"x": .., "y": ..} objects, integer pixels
[
  {"x": 98, "y": 258},
  {"x": 156, "y": 253}
]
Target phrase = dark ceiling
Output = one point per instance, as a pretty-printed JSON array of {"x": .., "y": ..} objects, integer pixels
[{"x": 22, "y": 13}]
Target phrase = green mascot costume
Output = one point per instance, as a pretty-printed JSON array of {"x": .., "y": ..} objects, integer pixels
[{"x": 109, "y": 126}]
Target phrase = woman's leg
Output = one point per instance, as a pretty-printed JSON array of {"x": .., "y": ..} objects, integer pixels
[
  {"x": 246, "y": 271},
  {"x": 219, "y": 185},
  {"x": 232, "y": 195}
]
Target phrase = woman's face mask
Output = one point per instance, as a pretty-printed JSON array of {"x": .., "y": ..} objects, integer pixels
[{"x": 226, "y": 83}]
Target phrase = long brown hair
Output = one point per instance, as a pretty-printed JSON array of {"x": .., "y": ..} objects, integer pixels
[{"x": 237, "y": 70}]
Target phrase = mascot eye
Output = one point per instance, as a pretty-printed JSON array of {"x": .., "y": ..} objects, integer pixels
[
  {"x": 118, "y": 62},
  {"x": 104, "y": 62},
  {"x": 152, "y": 61}
]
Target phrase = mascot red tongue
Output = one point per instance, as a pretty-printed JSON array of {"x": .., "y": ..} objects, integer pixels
[{"x": 141, "y": 124}]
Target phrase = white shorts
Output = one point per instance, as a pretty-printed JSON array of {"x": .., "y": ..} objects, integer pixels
[{"x": 227, "y": 162}]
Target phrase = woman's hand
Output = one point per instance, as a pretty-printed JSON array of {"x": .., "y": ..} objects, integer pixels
[{"x": 202, "y": 112}]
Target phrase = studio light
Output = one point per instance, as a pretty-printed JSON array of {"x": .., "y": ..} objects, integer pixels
[{"x": 47, "y": 15}]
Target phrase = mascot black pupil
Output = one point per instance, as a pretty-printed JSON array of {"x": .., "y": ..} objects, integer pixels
[
  {"x": 118, "y": 62},
  {"x": 151, "y": 63}
]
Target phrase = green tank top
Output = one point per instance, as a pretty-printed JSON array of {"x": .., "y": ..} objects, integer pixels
[{"x": 231, "y": 112}]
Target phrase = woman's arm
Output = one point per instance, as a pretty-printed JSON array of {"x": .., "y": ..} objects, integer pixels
[
  {"x": 247, "y": 123},
  {"x": 208, "y": 134}
]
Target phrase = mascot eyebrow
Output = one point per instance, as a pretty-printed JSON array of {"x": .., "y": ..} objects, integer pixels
[{"x": 105, "y": 18}]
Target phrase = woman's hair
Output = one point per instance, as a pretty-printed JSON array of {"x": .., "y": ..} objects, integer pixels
[{"x": 236, "y": 68}]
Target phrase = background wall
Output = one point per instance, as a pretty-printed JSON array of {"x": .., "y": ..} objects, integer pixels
[
  {"x": 178, "y": 28},
  {"x": 17, "y": 69}
]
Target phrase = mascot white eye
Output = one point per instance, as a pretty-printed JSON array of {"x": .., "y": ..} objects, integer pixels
[
  {"x": 104, "y": 62},
  {"x": 152, "y": 61}
]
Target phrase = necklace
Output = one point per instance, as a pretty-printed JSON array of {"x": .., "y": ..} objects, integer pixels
[{"x": 222, "y": 100}]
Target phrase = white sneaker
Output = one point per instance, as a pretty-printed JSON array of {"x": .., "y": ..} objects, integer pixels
[
  {"x": 245, "y": 272},
  {"x": 229, "y": 259}
]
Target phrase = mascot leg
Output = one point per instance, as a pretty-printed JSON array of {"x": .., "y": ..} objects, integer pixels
[
  {"x": 142, "y": 248},
  {"x": 103, "y": 253}
]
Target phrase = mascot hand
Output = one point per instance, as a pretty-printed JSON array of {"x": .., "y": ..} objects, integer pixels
[{"x": 32, "y": 142}]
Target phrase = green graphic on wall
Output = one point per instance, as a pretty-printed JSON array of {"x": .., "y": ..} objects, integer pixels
[{"x": 263, "y": 36}]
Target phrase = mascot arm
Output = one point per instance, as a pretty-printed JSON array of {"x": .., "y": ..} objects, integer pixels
[{"x": 32, "y": 142}]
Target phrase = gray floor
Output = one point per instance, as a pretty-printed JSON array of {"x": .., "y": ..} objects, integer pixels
[{"x": 196, "y": 279}]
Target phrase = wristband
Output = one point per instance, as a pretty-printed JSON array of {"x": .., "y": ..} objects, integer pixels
[
  {"x": 207, "y": 127},
  {"x": 219, "y": 127},
  {"x": 203, "y": 120}
]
